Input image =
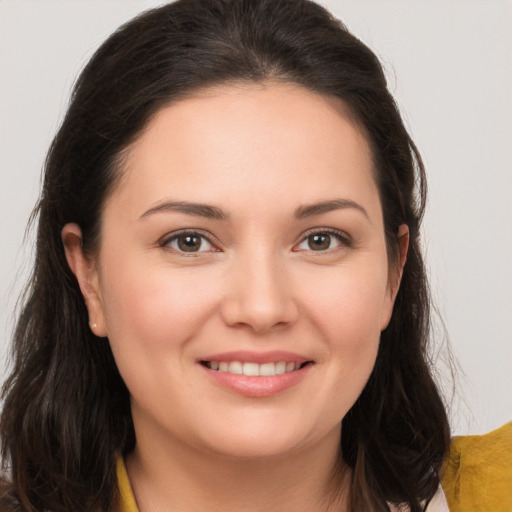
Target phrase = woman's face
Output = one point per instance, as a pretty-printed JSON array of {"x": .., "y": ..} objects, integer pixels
[{"x": 246, "y": 235}]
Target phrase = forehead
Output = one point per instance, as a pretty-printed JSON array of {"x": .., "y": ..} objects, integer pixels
[{"x": 269, "y": 141}]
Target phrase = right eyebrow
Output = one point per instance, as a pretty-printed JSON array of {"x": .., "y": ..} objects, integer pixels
[
  {"x": 309, "y": 210},
  {"x": 196, "y": 209}
]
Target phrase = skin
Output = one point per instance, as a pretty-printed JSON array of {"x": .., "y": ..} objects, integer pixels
[{"x": 258, "y": 283}]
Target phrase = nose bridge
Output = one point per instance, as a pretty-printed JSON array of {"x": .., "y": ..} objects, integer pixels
[{"x": 259, "y": 294}]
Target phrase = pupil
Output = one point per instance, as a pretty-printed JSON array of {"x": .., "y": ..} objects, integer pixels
[
  {"x": 319, "y": 242},
  {"x": 189, "y": 243}
]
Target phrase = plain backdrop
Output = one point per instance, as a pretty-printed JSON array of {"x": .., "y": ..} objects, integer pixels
[{"x": 449, "y": 65}]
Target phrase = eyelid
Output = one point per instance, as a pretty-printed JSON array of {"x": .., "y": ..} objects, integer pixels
[
  {"x": 344, "y": 239},
  {"x": 169, "y": 237}
]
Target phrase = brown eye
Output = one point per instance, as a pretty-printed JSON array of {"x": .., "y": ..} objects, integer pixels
[
  {"x": 319, "y": 242},
  {"x": 189, "y": 242},
  {"x": 322, "y": 241}
]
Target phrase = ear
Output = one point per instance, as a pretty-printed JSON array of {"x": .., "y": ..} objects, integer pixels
[
  {"x": 396, "y": 272},
  {"x": 86, "y": 274},
  {"x": 403, "y": 245}
]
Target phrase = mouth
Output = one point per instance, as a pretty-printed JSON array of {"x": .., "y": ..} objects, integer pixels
[
  {"x": 256, "y": 374},
  {"x": 252, "y": 369}
]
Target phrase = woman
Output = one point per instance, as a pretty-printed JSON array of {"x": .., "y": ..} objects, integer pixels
[{"x": 229, "y": 307}]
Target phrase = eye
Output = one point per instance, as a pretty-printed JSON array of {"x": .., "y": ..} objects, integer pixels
[
  {"x": 189, "y": 242},
  {"x": 319, "y": 241}
]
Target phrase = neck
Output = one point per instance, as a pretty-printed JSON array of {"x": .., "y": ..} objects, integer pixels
[{"x": 170, "y": 475}]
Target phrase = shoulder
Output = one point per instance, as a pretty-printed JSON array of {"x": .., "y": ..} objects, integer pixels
[{"x": 477, "y": 475}]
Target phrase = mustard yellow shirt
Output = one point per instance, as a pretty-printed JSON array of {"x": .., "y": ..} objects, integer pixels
[{"x": 477, "y": 474}]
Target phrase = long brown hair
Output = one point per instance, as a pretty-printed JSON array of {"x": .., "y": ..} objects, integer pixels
[{"x": 66, "y": 414}]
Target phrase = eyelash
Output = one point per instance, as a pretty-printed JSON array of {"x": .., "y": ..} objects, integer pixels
[
  {"x": 343, "y": 239},
  {"x": 165, "y": 243},
  {"x": 340, "y": 236}
]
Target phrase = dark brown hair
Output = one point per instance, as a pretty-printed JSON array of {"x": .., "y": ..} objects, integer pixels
[{"x": 66, "y": 412}]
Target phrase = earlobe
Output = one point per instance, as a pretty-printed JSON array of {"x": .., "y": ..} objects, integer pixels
[{"x": 86, "y": 274}]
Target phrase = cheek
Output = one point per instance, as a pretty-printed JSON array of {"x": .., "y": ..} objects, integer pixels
[
  {"x": 348, "y": 306},
  {"x": 152, "y": 316},
  {"x": 343, "y": 310},
  {"x": 154, "y": 307}
]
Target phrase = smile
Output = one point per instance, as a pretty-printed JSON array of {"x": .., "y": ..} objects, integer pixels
[
  {"x": 251, "y": 369},
  {"x": 256, "y": 374}
]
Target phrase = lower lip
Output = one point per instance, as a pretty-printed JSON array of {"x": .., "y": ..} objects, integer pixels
[{"x": 257, "y": 387}]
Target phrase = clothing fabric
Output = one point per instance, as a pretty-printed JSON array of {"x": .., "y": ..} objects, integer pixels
[
  {"x": 126, "y": 499},
  {"x": 478, "y": 472},
  {"x": 477, "y": 476}
]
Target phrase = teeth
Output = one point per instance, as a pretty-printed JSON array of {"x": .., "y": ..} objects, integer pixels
[
  {"x": 280, "y": 368},
  {"x": 251, "y": 369},
  {"x": 254, "y": 369},
  {"x": 236, "y": 367},
  {"x": 267, "y": 369}
]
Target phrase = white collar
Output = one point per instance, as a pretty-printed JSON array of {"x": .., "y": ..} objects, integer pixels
[{"x": 437, "y": 504}]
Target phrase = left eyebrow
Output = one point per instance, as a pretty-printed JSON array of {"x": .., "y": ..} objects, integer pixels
[
  {"x": 196, "y": 209},
  {"x": 309, "y": 210}
]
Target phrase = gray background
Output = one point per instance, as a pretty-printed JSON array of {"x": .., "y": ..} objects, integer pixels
[{"x": 449, "y": 64}]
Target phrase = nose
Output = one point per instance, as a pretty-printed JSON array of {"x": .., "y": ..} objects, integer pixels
[{"x": 259, "y": 294}]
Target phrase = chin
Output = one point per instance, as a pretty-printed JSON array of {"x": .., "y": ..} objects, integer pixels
[
  {"x": 261, "y": 441},
  {"x": 254, "y": 449}
]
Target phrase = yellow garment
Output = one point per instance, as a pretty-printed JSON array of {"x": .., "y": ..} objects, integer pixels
[
  {"x": 126, "y": 499},
  {"x": 477, "y": 474}
]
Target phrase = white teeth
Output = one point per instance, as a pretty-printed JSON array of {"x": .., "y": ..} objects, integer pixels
[
  {"x": 254, "y": 369},
  {"x": 280, "y": 367},
  {"x": 251, "y": 369},
  {"x": 267, "y": 369},
  {"x": 236, "y": 367}
]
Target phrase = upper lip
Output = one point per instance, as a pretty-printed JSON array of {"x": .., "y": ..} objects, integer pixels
[{"x": 247, "y": 356}]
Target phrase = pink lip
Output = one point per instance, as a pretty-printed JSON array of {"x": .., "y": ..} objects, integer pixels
[
  {"x": 257, "y": 387},
  {"x": 247, "y": 356}
]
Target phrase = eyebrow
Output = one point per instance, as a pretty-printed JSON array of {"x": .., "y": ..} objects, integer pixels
[
  {"x": 309, "y": 210},
  {"x": 200, "y": 210},
  {"x": 213, "y": 212}
]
